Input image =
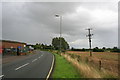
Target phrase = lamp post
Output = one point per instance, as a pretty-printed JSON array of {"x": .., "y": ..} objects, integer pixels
[{"x": 60, "y": 28}]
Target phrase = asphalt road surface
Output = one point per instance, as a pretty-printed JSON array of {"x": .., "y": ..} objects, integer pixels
[{"x": 35, "y": 66}]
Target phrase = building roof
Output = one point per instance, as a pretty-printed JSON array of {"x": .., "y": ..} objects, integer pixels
[{"x": 12, "y": 41}]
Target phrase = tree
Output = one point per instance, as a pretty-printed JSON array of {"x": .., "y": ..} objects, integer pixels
[
  {"x": 115, "y": 49},
  {"x": 56, "y": 43},
  {"x": 104, "y": 48},
  {"x": 72, "y": 48},
  {"x": 96, "y": 49},
  {"x": 83, "y": 49},
  {"x": 37, "y": 46}
]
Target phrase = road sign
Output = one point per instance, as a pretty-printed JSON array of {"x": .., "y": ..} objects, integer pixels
[{"x": 19, "y": 47}]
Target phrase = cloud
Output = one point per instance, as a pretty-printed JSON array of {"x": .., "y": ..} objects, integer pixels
[{"x": 33, "y": 22}]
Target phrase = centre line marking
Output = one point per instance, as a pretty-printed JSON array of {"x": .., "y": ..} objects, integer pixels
[
  {"x": 34, "y": 60},
  {"x": 1, "y": 76},
  {"x": 22, "y": 66}
]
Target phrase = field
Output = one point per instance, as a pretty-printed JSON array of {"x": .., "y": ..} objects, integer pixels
[
  {"x": 106, "y": 61},
  {"x": 99, "y": 55}
]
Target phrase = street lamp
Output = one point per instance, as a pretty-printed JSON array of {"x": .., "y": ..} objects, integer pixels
[{"x": 60, "y": 16}]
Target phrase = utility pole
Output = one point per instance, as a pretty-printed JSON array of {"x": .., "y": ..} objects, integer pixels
[{"x": 89, "y": 37}]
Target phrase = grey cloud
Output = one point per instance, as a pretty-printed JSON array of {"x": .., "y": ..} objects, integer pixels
[{"x": 35, "y": 22}]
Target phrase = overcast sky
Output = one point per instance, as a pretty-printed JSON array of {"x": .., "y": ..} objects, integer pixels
[{"x": 34, "y": 22}]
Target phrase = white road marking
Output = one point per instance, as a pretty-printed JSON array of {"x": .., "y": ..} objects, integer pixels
[
  {"x": 34, "y": 60},
  {"x": 50, "y": 68},
  {"x": 22, "y": 66},
  {"x": 1, "y": 76},
  {"x": 40, "y": 56}
]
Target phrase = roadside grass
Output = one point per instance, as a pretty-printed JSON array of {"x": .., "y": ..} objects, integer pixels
[
  {"x": 90, "y": 67},
  {"x": 64, "y": 69},
  {"x": 85, "y": 69}
]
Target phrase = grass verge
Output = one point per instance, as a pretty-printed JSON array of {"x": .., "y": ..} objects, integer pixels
[
  {"x": 64, "y": 69},
  {"x": 86, "y": 69}
]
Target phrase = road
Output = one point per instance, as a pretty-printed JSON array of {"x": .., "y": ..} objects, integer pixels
[{"x": 35, "y": 66}]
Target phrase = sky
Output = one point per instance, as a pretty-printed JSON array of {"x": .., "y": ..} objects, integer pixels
[{"x": 35, "y": 22}]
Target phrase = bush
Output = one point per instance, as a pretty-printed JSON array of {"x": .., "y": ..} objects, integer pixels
[
  {"x": 115, "y": 50},
  {"x": 98, "y": 50}
]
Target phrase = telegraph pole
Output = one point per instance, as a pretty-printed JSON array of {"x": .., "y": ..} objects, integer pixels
[{"x": 89, "y": 37}]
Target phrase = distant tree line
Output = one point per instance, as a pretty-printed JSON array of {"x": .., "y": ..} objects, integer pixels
[
  {"x": 42, "y": 46},
  {"x": 55, "y": 45},
  {"x": 75, "y": 49},
  {"x": 96, "y": 49}
]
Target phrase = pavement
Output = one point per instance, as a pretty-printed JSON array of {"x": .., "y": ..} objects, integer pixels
[{"x": 33, "y": 66}]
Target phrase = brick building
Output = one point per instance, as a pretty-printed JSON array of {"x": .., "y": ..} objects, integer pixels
[
  {"x": 10, "y": 47},
  {"x": 12, "y": 44}
]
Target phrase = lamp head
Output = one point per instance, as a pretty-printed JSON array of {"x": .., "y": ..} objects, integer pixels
[{"x": 57, "y": 15}]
